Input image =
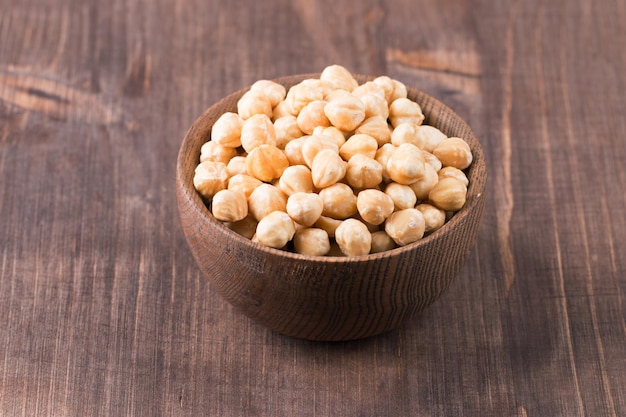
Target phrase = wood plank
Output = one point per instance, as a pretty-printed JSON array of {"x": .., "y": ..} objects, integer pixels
[{"x": 103, "y": 311}]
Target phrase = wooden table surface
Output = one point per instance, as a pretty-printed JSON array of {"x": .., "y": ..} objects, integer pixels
[{"x": 103, "y": 311}]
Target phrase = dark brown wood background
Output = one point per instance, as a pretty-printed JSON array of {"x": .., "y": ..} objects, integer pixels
[{"x": 103, "y": 311}]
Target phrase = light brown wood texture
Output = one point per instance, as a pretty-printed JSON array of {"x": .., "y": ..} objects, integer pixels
[{"x": 104, "y": 312}]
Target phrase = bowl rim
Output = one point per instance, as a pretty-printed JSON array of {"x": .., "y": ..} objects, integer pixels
[{"x": 476, "y": 189}]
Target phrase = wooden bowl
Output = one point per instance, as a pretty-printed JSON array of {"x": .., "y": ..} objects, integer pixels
[{"x": 328, "y": 298}]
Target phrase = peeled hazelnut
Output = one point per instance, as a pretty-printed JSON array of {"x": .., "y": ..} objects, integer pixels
[
  {"x": 377, "y": 128},
  {"x": 454, "y": 152},
  {"x": 305, "y": 208},
  {"x": 402, "y": 195},
  {"x": 339, "y": 77},
  {"x": 286, "y": 129},
  {"x": 265, "y": 199},
  {"x": 455, "y": 173},
  {"x": 363, "y": 172},
  {"x": 405, "y": 226},
  {"x": 403, "y": 110},
  {"x": 345, "y": 112},
  {"x": 296, "y": 178},
  {"x": 243, "y": 183},
  {"x": 210, "y": 177},
  {"x": 311, "y": 116},
  {"x": 422, "y": 187},
  {"x": 381, "y": 242},
  {"x": 428, "y": 137},
  {"x": 266, "y": 162},
  {"x": 374, "y": 206},
  {"x": 387, "y": 85},
  {"x": 405, "y": 133},
  {"x": 406, "y": 164},
  {"x": 353, "y": 238},
  {"x": 432, "y": 160},
  {"x": 382, "y": 156},
  {"x": 327, "y": 168},
  {"x": 434, "y": 217},
  {"x": 369, "y": 87},
  {"x": 281, "y": 110},
  {"x": 257, "y": 130},
  {"x": 229, "y": 205},
  {"x": 252, "y": 103},
  {"x": 275, "y": 230},
  {"x": 448, "y": 194},
  {"x": 213, "y": 151},
  {"x": 272, "y": 90},
  {"x": 293, "y": 151},
  {"x": 237, "y": 165},
  {"x": 227, "y": 129},
  {"x": 245, "y": 227},
  {"x": 375, "y": 106},
  {"x": 359, "y": 144},
  {"x": 339, "y": 201},
  {"x": 332, "y": 133},
  {"x": 311, "y": 241}
]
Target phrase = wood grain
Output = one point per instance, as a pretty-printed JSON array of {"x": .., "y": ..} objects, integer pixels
[{"x": 104, "y": 311}]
